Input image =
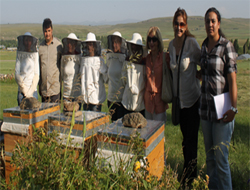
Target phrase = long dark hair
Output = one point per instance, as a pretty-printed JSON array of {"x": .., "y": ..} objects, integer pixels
[
  {"x": 183, "y": 14},
  {"x": 212, "y": 9}
]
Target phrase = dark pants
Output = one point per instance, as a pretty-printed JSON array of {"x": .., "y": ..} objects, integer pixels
[
  {"x": 128, "y": 111},
  {"x": 51, "y": 99},
  {"x": 116, "y": 110},
  {"x": 92, "y": 107},
  {"x": 189, "y": 123}
]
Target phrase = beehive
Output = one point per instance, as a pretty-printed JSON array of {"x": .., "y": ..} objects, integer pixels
[
  {"x": 115, "y": 138},
  {"x": 18, "y": 125},
  {"x": 94, "y": 122}
]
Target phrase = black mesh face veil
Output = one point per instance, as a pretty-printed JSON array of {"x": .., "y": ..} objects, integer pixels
[
  {"x": 27, "y": 43},
  {"x": 135, "y": 52},
  {"x": 71, "y": 47},
  {"x": 91, "y": 48},
  {"x": 117, "y": 44}
]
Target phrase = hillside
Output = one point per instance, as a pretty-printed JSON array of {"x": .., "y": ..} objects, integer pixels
[{"x": 233, "y": 28}]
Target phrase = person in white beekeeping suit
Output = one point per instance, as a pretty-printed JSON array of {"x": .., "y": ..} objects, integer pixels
[
  {"x": 117, "y": 49},
  {"x": 134, "y": 76},
  {"x": 27, "y": 67},
  {"x": 70, "y": 68},
  {"x": 93, "y": 74}
]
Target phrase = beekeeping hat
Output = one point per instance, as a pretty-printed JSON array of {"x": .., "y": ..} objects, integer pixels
[
  {"x": 136, "y": 39},
  {"x": 71, "y": 36},
  {"x": 27, "y": 34},
  {"x": 91, "y": 37},
  {"x": 117, "y": 34}
]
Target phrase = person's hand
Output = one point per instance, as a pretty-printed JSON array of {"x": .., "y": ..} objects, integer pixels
[
  {"x": 198, "y": 75},
  {"x": 29, "y": 93},
  {"x": 168, "y": 60},
  {"x": 228, "y": 116}
]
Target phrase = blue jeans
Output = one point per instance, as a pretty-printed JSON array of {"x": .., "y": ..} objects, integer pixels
[
  {"x": 92, "y": 107},
  {"x": 20, "y": 96},
  {"x": 217, "y": 137},
  {"x": 158, "y": 117}
]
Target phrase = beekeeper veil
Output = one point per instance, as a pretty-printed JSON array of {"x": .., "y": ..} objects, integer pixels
[
  {"x": 27, "y": 43},
  {"x": 135, "y": 48},
  {"x": 91, "y": 46},
  {"x": 116, "y": 43},
  {"x": 71, "y": 45}
]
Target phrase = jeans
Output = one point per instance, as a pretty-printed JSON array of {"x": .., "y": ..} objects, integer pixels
[
  {"x": 158, "y": 117},
  {"x": 20, "y": 97},
  {"x": 217, "y": 137},
  {"x": 92, "y": 107}
]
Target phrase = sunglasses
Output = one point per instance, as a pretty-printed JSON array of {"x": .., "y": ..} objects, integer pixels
[
  {"x": 153, "y": 38},
  {"x": 182, "y": 24}
]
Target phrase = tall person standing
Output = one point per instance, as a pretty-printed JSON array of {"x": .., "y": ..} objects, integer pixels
[
  {"x": 115, "y": 58},
  {"x": 184, "y": 57},
  {"x": 50, "y": 52},
  {"x": 155, "y": 107},
  {"x": 218, "y": 67}
]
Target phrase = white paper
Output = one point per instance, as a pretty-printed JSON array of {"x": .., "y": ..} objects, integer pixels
[{"x": 222, "y": 104}]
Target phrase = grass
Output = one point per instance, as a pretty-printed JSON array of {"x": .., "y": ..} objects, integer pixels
[
  {"x": 234, "y": 28},
  {"x": 239, "y": 157}
]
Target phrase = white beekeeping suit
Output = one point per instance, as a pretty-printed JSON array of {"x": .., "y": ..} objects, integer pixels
[
  {"x": 93, "y": 71},
  {"x": 134, "y": 76},
  {"x": 27, "y": 65},
  {"x": 70, "y": 67}
]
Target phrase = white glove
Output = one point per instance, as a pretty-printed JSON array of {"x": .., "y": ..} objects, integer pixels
[{"x": 134, "y": 89}]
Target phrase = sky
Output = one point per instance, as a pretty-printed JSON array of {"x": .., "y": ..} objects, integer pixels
[{"x": 98, "y": 12}]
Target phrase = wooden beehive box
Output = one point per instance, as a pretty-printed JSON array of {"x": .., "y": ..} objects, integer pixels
[
  {"x": 115, "y": 138},
  {"x": 18, "y": 125},
  {"x": 94, "y": 122}
]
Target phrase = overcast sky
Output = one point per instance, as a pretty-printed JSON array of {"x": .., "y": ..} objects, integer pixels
[{"x": 116, "y": 11}]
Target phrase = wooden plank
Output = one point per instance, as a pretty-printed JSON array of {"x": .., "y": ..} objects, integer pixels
[
  {"x": 10, "y": 140},
  {"x": 156, "y": 160},
  {"x": 42, "y": 112},
  {"x": 8, "y": 169}
]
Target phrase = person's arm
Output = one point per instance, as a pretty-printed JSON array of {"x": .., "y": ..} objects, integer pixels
[
  {"x": 19, "y": 78},
  {"x": 230, "y": 114},
  {"x": 35, "y": 80}
]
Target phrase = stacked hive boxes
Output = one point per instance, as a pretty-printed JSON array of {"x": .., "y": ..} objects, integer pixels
[
  {"x": 18, "y": 125},
  {"x": 114, "y": 140},
  {"x": 94, "y": 122}
]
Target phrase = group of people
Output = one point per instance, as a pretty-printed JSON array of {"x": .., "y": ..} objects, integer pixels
[{"x": 134, "y": 73}]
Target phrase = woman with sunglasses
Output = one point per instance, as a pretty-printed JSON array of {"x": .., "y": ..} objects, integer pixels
[
  {"x": 155, "y": 107},
  {"x": 218, "y": 67},
  {"x": 183, "y": 63}
]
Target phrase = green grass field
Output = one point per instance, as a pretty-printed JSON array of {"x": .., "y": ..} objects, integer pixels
[
  {"x": 236, "y": 28},
  {"x": 240, "y": 145}
]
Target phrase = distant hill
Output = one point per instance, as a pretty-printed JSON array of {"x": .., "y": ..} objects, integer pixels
[{"x": 233, "y": 28}]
